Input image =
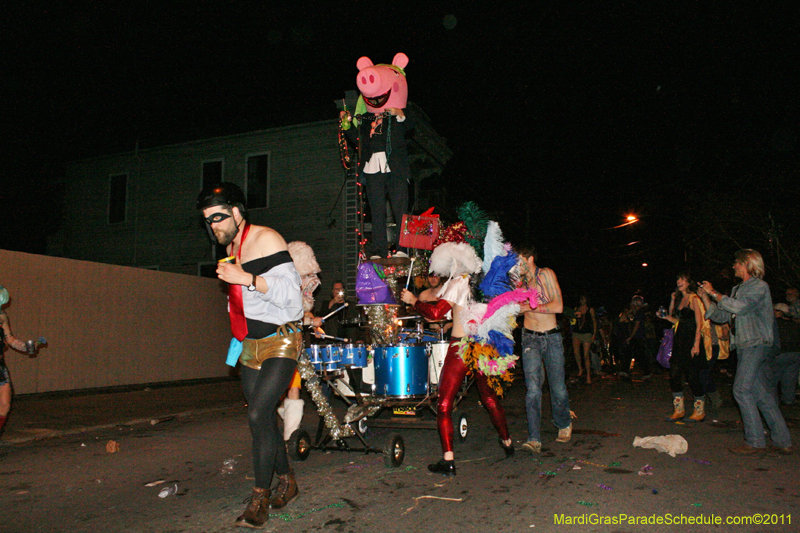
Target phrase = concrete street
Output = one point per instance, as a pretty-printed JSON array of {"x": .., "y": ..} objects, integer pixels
[{"x": 57, "y": 475}]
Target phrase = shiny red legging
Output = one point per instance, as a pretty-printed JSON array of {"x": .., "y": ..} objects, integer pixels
[{"x": 450, "y": 381}]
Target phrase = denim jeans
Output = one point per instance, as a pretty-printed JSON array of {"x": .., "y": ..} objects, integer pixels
[
  {"x": 540, "y": 354},
  {"x": 753, "y": 393},
  {"x": 785, "y": 368}
]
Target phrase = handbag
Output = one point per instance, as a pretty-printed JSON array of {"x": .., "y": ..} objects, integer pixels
[
  {"x": 420, "y": 231},
  {"x": 665, "y": 350}
]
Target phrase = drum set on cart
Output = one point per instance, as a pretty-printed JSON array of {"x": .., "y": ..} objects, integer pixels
[{"x": 391, "y": 383}]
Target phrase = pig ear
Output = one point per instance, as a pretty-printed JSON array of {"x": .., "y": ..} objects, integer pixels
[
  {"x": 364, "y": 62},
  {"x": 400, "y": 60}
]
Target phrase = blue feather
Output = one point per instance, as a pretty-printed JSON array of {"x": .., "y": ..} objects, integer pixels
[
  {"x": 502, "y": 344},
  {"x": 496, "y": 281}
]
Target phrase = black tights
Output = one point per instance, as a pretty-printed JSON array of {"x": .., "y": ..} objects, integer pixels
[
  {"x": 680, "y": 366},
  {"x": 263, "y": 390}
]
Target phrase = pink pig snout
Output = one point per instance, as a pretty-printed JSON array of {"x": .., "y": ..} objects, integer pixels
[{"x": 369, "y": 82}]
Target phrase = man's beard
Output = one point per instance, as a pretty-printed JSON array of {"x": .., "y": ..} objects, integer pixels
[{"x": 226, "y": 237}]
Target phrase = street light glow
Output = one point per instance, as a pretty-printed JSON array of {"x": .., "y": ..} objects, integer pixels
[{"x": 630, "y": 219}]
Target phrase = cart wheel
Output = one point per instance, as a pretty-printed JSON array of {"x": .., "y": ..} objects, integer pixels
[
  {"x": 461, "y": 425},
  {"x": 299, "y": 445},
  {"x": 395, "y": 452},
  {"x": 361, "y": 426}
]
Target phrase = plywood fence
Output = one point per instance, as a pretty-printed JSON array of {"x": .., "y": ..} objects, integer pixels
[{"x": 109, "y": 325}]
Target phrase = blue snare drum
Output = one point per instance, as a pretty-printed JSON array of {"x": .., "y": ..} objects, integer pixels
[
  {"x": 401, "y": 371},
  {"x": 314, "y": 353},
  {"x": 354, "y": 355},
  {"x": 331, "y": 356}
]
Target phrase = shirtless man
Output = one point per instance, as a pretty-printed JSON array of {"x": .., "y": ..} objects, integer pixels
[{"x": 543, "y": 351}]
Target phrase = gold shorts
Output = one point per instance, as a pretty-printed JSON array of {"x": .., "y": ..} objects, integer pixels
[{"x": 286, "y": 343}]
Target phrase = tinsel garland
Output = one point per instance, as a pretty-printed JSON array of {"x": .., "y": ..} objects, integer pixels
[
  {"x": 324, "y": 409},
  {"x": 479, "y": 356},
  {"x": 452, "y": 233},
  {"x": 382, "y": 321}
]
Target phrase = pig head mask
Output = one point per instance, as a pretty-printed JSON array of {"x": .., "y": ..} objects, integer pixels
[{"x": 383, "y": 86}]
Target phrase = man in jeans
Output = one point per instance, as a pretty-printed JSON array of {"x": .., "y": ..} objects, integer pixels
[
  {"x": 752, "y": 335},
  {"x": 543, "y": 351}
]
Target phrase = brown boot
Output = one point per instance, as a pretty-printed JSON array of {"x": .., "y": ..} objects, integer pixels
[
  {"x": 257, "y": 512},
  {"x": 285, "y": 492},
  {"x": 677, "y": 402},
  {"x": 699, "y": 411}
]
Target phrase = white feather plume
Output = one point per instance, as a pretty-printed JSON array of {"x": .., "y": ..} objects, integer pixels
[
  {"x": 455, "y": 259},
  {"x": 471, "y": 318},
  {"x": 492, "y": 245},
  {"x": 500, "y": 321}
]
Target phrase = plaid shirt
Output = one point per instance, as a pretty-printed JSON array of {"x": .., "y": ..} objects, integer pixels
[{"x": 750, "y": 304}]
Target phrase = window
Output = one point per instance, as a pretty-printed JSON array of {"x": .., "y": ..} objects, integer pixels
[
  {"x": 258, "y": 181},
  {"x": 212, "y": 173},
  {"x": 117, "y": 198}
]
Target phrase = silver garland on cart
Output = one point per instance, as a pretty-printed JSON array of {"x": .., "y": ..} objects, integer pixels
[{"x": 338, "y": 431}]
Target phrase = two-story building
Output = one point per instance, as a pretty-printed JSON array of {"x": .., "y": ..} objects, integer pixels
[{"x": 138, "y": 208}]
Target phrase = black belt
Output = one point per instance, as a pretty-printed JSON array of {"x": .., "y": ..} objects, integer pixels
[{"x": 541, "y": 333}]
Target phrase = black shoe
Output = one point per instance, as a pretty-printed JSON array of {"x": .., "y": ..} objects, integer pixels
[
  {"x": 508, "y": 449},
  {"x": 446, "y": 468}
]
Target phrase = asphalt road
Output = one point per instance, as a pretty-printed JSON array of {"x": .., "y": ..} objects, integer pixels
[{"x": 70, "y": 482}]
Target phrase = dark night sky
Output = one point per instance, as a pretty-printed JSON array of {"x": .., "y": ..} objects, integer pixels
[{"x": 561, "y": 115}]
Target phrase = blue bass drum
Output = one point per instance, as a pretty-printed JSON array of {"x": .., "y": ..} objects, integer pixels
[{"x": 401, "y": 371}]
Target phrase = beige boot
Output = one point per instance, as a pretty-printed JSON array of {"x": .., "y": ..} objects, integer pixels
[
  {"x": 679, "y": 413},
  {"x": 699, "y": 410},
  {"x": 564, "y": 434}
]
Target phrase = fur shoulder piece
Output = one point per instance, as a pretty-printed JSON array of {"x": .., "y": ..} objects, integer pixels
[
  {"x": 303, "y": 258},
  {"x": 455, "y": 259}
]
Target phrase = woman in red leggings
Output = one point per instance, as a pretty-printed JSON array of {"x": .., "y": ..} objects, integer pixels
[{"x": 454, "y": 296}]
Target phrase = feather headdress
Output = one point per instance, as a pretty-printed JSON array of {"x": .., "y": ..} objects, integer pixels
[{"x": 455, "y": 259}]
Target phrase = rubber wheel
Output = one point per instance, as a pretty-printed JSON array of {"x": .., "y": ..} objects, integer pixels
[
  {"x": 394, "y": 452},
  {"x": 460, "y": 425},
  {"x": 299, "y": 445}
]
